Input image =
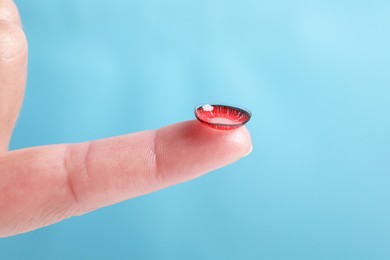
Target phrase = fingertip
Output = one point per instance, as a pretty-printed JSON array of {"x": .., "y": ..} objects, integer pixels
[
  {"x": 236, "y": 142},
  {"x": 191, "y": 149},
  {"x": 241, "y": 141},
  {"x": 13, "y": 41},
  {"x": 9, "y": 12}
]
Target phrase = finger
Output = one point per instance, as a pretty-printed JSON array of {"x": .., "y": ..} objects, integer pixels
[
  {"x": 13, "y": 67},
  {"x": 40, "y": 186},
  {"x": 9, "y": 12}
]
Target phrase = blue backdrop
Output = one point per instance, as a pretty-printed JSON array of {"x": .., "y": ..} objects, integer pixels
[{"x": 315, "y": 75}]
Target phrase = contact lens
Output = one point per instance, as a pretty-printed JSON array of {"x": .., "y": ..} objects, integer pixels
[{"x": 222, "y": 117}]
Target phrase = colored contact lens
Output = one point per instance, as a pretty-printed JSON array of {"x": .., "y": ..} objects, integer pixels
[{"x": 222, "y": 117}]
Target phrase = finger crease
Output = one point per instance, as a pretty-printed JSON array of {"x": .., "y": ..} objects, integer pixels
[
  {"x": 155, "y": 157},
  {"x": 68, "y": 168}
]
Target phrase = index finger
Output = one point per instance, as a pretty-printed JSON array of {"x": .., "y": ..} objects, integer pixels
[{"x": 42, "y": 185}]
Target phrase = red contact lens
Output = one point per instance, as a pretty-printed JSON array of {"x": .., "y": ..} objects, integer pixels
[{"x": 222, "y": 116}]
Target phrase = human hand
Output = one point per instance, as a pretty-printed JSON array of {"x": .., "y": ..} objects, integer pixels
[{"x": 42, "y": 185}]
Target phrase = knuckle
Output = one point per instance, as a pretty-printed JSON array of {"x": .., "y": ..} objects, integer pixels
[{"x": 13, "y": 42}]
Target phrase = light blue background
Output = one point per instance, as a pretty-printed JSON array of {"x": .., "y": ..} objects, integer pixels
[{"x": 315, "y": 75}]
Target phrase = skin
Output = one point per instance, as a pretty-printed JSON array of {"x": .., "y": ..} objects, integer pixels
[{"x": 40, "y": 186}]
